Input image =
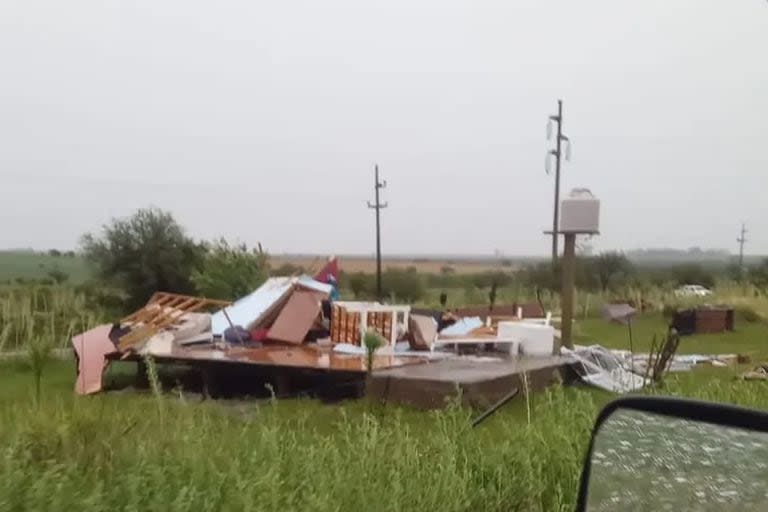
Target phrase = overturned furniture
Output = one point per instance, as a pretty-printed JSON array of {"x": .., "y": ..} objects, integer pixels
[
  {"x": 350, "y": 321},
  {"x": 703, "y": 320}
]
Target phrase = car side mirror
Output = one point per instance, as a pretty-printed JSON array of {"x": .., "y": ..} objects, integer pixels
[{"x": 649, "y": 453}]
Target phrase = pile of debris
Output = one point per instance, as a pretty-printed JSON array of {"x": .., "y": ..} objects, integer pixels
[
  {"x": 409, "y": 331},
  {"x": 513, "y": 329},
  {"x": 621, "y": 371},
  {"x": 757, "y": 373},
  {"x": 297, "y": 321},
  {"x": 603, "y": 368},
  {"x": 284, "y": 310}
]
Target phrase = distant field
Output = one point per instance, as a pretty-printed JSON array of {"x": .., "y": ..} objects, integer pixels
[
  {"x": 35, "y": 265},
  {"x": 425, "y": 265}
]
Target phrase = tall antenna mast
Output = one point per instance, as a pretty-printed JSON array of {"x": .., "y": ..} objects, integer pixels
[
  {"x": 378, "y": 206},
  {"x": 557, "y": 153},
  {"x": 742, "y": 240}
]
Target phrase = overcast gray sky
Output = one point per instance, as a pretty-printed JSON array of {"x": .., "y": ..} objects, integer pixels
[{"x": 261, "y": 120}]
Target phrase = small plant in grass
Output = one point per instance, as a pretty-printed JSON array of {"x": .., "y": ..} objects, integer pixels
[
  {"x": 661, "y": 355},
  {"x": 371, "y": 341},
  {"x": 154, "y": 383},
  {"x": 39, "y": 352}
]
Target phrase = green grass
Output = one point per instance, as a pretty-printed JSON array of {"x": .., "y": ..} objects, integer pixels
[
  {"x": 139, "y": 451},
  {"x": 34, "y": 265},
  {"x": 121, "y": 451},
  {"x": 131, "y": 451},
  {"x": 748, "y": 338}
]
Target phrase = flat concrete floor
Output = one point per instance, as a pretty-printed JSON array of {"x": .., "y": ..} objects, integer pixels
[{"x": 480, "y": 380}]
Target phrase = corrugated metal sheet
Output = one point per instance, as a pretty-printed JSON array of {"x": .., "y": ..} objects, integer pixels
[{"x": 248, "y": 310}]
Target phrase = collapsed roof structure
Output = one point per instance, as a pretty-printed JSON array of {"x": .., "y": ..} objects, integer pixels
[{"x": 294, "y": 327}]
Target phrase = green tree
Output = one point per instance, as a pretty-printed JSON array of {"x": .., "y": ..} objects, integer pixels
[
  {"x": 759, "y": 274},
  {"x": 692, "y": 273},
  {"x": 229, "y": 272},
  {"x": 544, "y": 276},
  {"x": 734, "y": 272},
  {"x": 610, "y": 267},
  {"x": 361, "y": 285},
  {"x": 405, "y": 285},
  {"x": 144, "y": 253},
  {"x": 57, "y": 275}
]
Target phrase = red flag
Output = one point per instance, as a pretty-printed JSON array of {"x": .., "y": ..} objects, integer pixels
[{"x": 330, "y": 272}]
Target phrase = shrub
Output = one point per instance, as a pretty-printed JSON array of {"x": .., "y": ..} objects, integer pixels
[
  {"x": 692, "y": 273},
  {"x": 144, "y": 253},
  {"x": 229, "y": 272},
  {"x": 403, "y": 285},
  {"x": 360, "y": 284},
  {"x": 57, "y": 275},
  {"x": 759, "y": 274},
  {"x": 609, "y": 269}
]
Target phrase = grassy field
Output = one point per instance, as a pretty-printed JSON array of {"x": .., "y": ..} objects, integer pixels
[
  {"x": 35, "y": 265},
  {"x": 129, "y": 450},
  {"x": 367, "y": 264},
  {"x": 748, "y": 338}
]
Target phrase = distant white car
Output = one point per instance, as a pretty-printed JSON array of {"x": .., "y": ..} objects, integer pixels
[{"x": 692, "y": 290}]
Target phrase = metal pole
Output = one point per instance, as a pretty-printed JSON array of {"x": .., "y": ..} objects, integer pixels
[
  {"x": 742, "y": 239},
  {"x": 378, "y": 206},
  {"x": 495, "y": 407},
  {"x": 378, "y": 238},
  {"x": 556, "y": 219},
  {"x": 566, "y": 297}
]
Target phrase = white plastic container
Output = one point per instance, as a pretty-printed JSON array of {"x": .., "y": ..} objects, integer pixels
[
  {"x": 534, "y": 339},
  {"x": 580, "y": 212}
]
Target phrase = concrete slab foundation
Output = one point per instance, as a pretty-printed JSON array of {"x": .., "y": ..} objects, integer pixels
[{"x": 481, "y": 381}]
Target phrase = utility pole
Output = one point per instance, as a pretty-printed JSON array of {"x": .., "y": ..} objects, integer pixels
[
  {"x": 742, "y": 240},
  {"x": 378, "y": 206},
  {"x": 557, "y": 153},
  {"x": 566, "y": 294}
]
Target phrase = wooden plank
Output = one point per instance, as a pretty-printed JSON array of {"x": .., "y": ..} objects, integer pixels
[
  {"x": 162, "y": 311},
  {"x": 387, "y": 328},
  {"x": 297, "y": 317},
  {"x": 335, "y": 322}
]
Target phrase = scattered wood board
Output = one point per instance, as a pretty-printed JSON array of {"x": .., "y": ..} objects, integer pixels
[{"x": 162, "y": 310}]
